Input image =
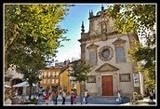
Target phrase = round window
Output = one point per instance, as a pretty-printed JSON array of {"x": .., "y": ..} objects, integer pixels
[{"x": 105, "y": 53}]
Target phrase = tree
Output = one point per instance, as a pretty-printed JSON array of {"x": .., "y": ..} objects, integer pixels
[
  {"x": 33, "y": 28},
  {"x": 140, "y": 19},
  {"x": 32, "y": 35},
  {"x": 79, "y": 72}
]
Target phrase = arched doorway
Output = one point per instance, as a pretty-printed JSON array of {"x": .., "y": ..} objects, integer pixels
[{"x": 19, "y": 89}]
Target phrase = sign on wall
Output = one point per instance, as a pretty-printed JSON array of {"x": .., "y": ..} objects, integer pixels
[{"x": 136, "y": 80}]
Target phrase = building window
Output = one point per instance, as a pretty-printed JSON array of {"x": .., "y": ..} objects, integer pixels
[
  {"x": 125, "y": 77},
  {"x": 49, "y": 81},
  {"x": 120, "y": 55},
  {"x": 53, "y": 75},
  {"x": 52, "y": 81},
  {"x": 56, "y": 81},
  {"x": 45, "y": 74},
  {"x": 49, "y": 74},
  {"x": 93, "y": 57},
  {"x": 56, "y": 74},
  {"x": 44, "y": 81},
  {"x": 91, "y": 79}
]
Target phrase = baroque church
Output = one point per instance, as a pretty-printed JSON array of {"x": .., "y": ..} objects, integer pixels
[{"x": 107, "y": 51}]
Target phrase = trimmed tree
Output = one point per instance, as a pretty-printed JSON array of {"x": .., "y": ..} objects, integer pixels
[{"x": 79, "y": 71}]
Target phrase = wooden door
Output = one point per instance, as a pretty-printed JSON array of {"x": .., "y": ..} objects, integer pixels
[{"x": 107, "y": 85}]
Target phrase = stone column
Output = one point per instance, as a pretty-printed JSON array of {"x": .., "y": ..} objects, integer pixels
[
  {"x": 99, "y": 85},
  {"x": 141, "y": 83}
]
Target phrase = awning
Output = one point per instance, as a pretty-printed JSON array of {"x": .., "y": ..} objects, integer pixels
[
  {"x": 7, "y": 86},
  {"x": 23, "y": 84}
]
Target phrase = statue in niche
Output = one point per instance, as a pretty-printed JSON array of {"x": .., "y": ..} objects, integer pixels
[{"x": 104, "y": 21}]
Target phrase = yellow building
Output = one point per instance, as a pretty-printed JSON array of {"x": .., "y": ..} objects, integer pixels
[
  {"x": 59, "y": 78},
  {"x": 50, "y": 77},
  {"x": 66, "y": 83}
]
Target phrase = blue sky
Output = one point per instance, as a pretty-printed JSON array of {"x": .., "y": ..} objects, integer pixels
[{"x": 72, "y": 22}]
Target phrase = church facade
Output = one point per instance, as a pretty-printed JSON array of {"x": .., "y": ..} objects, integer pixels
[{"x": 107, "y": 51}]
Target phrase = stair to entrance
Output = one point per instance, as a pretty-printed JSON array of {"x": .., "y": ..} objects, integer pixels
[{"x": 106, "y": 100}]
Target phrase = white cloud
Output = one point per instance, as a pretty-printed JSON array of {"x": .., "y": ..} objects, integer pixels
[{"x": 63, "y": 55}]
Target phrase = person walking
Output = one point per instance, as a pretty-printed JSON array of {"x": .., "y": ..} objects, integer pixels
[
  {"x": 86, "y": 95},
  {"x": 72, "y": 96},
  {"x": 154, "y": 94},
  {"x": 119, "y": 96},
  {"x": 55, "y": 97},
  {"x": 63, "y": 96},
  {"x": 151, "y": 95},
  {"x": 46, "y": 97}
]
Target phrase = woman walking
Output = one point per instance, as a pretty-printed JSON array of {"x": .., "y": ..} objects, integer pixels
[
  {"x": 46, "y": 97},
  {"x": 63, "y": 96}
]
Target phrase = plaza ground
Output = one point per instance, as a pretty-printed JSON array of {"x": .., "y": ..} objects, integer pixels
[{"x": 93, "y": 101}]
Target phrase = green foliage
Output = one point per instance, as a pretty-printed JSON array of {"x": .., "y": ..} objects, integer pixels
[
  {"x": 140, "y": 19},
  {"x": 32, "y": 35},
  {"x": 33, "y": 29},
  {"x": 80, "y": 70},
  {"x": 133, "y": 17}
]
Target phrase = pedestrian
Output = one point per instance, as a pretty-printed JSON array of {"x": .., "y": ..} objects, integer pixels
[
  {"x": 151, "y": 95},
  {"x": 55, "y": 97},
  {"x": 46, "y": 97},
  {"x": 40, "y": 98},
  {"x": 72, "y": 97},
  {"x": 119, "y": 96},
  {"x": 86, "y": 95},
  {"x": 151, "y": 101},
  {"x": 154, "y": 94},
  {"x": 63, "y": 96},
  {"x": 16, "y": 92}
]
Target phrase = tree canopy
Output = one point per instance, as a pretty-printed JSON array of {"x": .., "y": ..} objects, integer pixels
[
  {"x": 32, "y": 35},
  {"x": 32, "y": 30},
  {"x": 80, "y": 69},
  {"x": 140, "y": 19}
]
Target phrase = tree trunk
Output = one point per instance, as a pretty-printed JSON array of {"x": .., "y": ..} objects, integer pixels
[
  {"x": 81, "y": 92},
  {"x": 30, "y": 92}
]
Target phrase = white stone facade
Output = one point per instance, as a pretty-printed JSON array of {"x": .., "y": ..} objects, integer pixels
[{"x": 120, "y": 74}]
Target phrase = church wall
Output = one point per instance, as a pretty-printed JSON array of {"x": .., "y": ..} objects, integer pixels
[
  {"x": 123, "y": 77},
  {"x": 123, "y": 69}
]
